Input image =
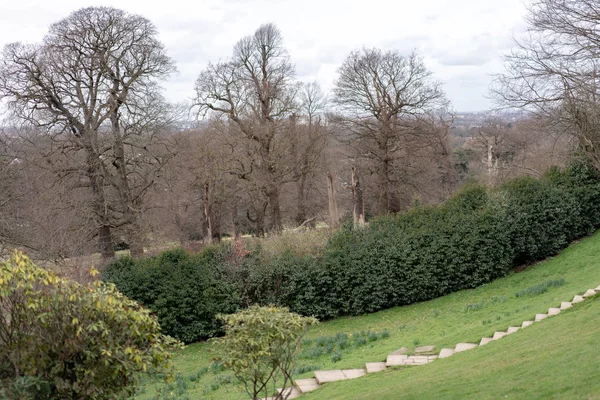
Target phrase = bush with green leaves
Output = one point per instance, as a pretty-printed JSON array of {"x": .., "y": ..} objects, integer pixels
[
  {"x": 63, "y": 340},
  {"x": 261, "y": 346},
  {"x": 185, "y": 291},
  {"x": 476, "y": 236}
]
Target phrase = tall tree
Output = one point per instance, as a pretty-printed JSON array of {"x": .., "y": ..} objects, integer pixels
[
  {"x": 255, "y": 90},
  {"x": 92, "y": 82},
  {"x": 380, "y": 94},
  {"x": 554, "y": 70}
]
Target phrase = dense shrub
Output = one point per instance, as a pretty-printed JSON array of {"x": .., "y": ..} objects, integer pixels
[
  {"x": 185, "y": 291},
  {"x": 62, "y": 340},
  {"x": 476, "y": 236}
]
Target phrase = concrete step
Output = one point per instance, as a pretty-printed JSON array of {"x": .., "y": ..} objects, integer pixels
[
  {"x": 525, "y": 324},
  {"x": 485, "y": 340},
  {"x": 307, "y": 385},
  {"x": 400, "y": 351},
  {"x": 396, "y": 359},
  {"x": 329, "y": 376},
  {"x": 464, "y": 346},
  {"x": 375, "y": 367},
  {"x": 444, "y": 353},
  {"x": 553, "y": 311},
  {"x": 424, "y": 350},
  {"x": 565, "y": 304},
  {"x": 512, "y": 329},
  {"x": 290, "y": 392},
  {"x": 354, "y": 373},
  {"x": 577, "y": 299},
  {"x": 498, "y": 335},
  {"x": 539, "y": 317},
  {"x": 588, "y": 293}
]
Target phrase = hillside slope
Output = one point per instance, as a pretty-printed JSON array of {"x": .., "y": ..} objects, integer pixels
[{"x": 558, "y": 358}]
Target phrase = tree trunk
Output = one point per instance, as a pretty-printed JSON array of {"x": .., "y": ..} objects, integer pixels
[
  {"x": 105, "y": 243},
  {"x": 383, "y": 203},
  {"x": 357, "y": 198},
  {"x": 135, "y": 241},
  {"x": 94, "y": 174},
  {"x": 273, "y": 195},
  {"x": 207, "y": 217},
  {"x": 302, "y": 212},
  {"x": 333, "y": 210}
]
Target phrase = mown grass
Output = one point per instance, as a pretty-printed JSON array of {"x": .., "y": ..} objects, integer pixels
[
  {"x": 557, "y": 358},
  {"x": 465, "y": 316}
]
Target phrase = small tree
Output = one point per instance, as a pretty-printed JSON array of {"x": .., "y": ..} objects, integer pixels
[
  {"x": 59, "y": 339},
  {"x": 261, "y": 346}
]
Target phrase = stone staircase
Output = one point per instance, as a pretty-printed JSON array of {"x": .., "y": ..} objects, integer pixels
[{"x": 421, "y": 355}]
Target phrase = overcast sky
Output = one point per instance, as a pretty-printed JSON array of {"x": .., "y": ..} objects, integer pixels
[{"x": 461, "y": 41}]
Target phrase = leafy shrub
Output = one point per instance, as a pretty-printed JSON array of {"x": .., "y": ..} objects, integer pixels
[
  {"x": 185, "y": 291},
  {"x": 261, "y": 345},
  {"x": 63, "y": 340},
  {"x": 476, "y": 236}
]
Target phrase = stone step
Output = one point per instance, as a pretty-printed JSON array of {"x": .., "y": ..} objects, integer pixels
[
  {"x": 444, "y": 353},
  {"x": 498, "y": 335},
  {"x": 525, "y": 324},
  {"x": 375, "y": 367},
  {"x": 485, "y": 340},
  {"x": 512, "y": 329},
  {"x": 597, "y": 289},
  {"x": 400, "y": 351},
  {"x": 577, "y": 299},
  {"x": 329, "y": 376},
  {"x": 424, "y": 350},
  {"x": 464, "y": 346},
  {"x": 588, "y": 293},
  {"x": 553, "y": 311},
  {"x": 396, "y": 359},
  {"x": 565, "y": 304},
  {"x": 539, "y": 317},
  {"x": 353, "y": 373},
  {"x": 307, "y": 385},
  {"x": 290, "y": 392}
]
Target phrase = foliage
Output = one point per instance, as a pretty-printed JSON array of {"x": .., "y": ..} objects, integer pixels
[
  {"x": 59, "y": 339},
  {"x": 478, "y": 235},
  {"x": 185, "y": 291},
  {"x": 261, "y": 345}
]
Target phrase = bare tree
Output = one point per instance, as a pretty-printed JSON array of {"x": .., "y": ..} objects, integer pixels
[
  {"x": 255, "y": 90},
  {"x": 92, "y": 83},
  {"x": 380, "y": 94},
  {"x": 554, "y": 70}
]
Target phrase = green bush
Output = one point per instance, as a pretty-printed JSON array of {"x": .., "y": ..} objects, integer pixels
[
  {"x": 62, "y": 340},
  {"x": 185, "y": 291},
  {"x": 261, "y": 346},
  {"x": 476, "y": 236}
]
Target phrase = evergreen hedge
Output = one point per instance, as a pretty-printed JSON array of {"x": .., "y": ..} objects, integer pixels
[{"x": 476, "y": 236}]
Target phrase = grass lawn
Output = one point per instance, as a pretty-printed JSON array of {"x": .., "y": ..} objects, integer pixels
[
  {"x": 558, "y": 358},
  {"x": 464, "y": 316}
]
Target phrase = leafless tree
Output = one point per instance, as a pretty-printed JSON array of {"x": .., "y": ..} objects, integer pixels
[
  {"x": 554, "y": 70},
  {"x": 92, "y": 83},
  {"x": 255, "y": 90},
  {"x": 380, "y": 95}
]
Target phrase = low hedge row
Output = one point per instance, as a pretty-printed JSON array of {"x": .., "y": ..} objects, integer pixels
[{"x": 476, "y": 236}]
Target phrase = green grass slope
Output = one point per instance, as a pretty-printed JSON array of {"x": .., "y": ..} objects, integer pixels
[
  {"x": 558, "y": 358},
  {"x": 465, "y": 316}
]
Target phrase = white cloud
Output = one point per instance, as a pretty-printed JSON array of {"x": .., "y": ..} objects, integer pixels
[{"x": 461, "y": 41}]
